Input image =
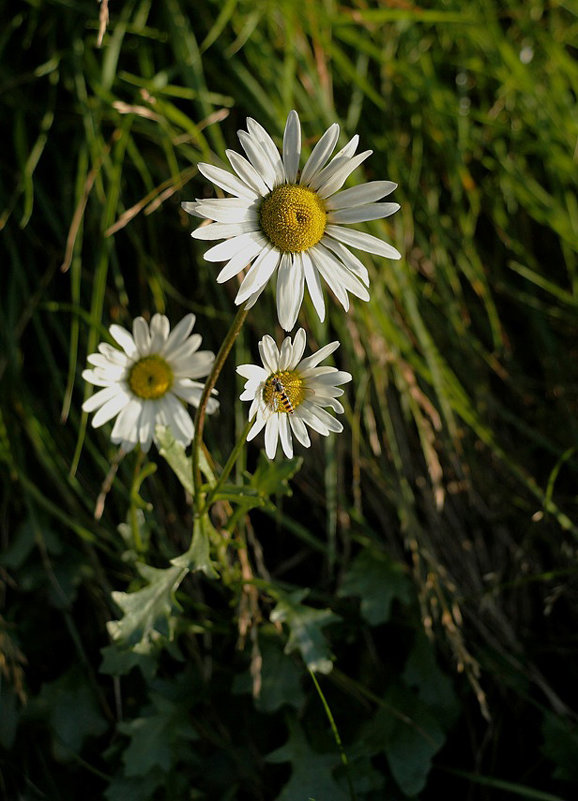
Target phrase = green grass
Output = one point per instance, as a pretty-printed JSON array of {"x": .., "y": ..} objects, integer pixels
[{"x": 451, "y": 495}]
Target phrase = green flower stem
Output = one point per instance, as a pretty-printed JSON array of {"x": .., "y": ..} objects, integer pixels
[
  {"x": 229, "y": 465},
  {"x": 232, "y": 334}
]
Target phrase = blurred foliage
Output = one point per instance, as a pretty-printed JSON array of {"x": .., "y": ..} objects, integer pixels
[{"x": 425, "y": 562}]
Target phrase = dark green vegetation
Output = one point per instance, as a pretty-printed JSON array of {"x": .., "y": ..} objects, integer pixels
[{"x": 430, "y": 550}]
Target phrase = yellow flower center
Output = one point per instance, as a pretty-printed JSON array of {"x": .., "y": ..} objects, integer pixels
[
  {"x": 293, "y": 218},
  {"x": 150, "y": 377},
  {"x": 284, "y": 391}
]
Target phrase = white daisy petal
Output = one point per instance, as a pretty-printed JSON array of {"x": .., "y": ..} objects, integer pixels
[
  {"x": 327, "y": 271},
  {"x": 112, "y": 354},
  {"x": 252, "y": 371},
  {"x": 268, "y": 145},
  {"x": 100, "y": 398},
  {"x": 125, "y": 424},
  {"x": 190, "y": 206},
  {"x": 338, "y": 274},
  {"x": 197, "y": 365},
  {"x": 269, "y": 354},
  {"x": 141, "y": 335},
  {"x": 339, "y": 176},
  {"x": 232, "y": 247},
  {"x": 230, "y": 183},
  {"x": 299, "y": 430},
  {"x": 292, "y": 146},
  {"x": 182, "y": 350},
  {"x": 111, "y": 408},
  {"x": 240, "y": 260},
  {"x": 285, "y": 435},
  {"x": 363, "y": 241},
  {"x": 285, "y": 354},
  {"x": 299, "y": 342},
  {"x": 247, "y": 173},
  {"x": 176, "y": 416},
  {"x": 221, "y": 211},
  {"x": 256, "y": 428},
  {"x": 318, "y": 356},
  {"x": 100, "y": 379},
  {"x": 159, "y": 331},
  {"x": 321, "y": 152},
  {"x": 343, "y": 157},
  {"x": 313, "y": 285},
  {"x": 290, "y": 285},
  {"x": 179, "y": 334},
  {"x": 101, "y": 361},
  {"x": 371, "y": 211},
  {"x": 351, "y": 262},
  {"x": 254, "y": 298},
  {"x": 360, "y": 195},
  {"x": 259, "y": 273},
  {"x": 320, "y": 420},
  {"x": 258, "y": 158},
  {"x": 256, "y": 402},
  {"x": 124, "y": 339},
  {"x": 271, "y": 435},
  {"x": 146, "y": 425},
  {"x": 222, "y": 230}
]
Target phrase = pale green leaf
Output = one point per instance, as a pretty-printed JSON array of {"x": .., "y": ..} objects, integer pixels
[
  {"x": 148, "y": 611},
  {"x": 305, "y": 629},
  {"x": 198, "y": 556}
]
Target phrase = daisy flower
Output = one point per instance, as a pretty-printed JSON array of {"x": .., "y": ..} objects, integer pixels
[
  {"x": 288, "y": 393},
  {"x": 147, "y": 381},
  {"x": 290, "y": 221}
]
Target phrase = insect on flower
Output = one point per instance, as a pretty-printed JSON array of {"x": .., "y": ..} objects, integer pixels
[{"x": 281, "y": 397}]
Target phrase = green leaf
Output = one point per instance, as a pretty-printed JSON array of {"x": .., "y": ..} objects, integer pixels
[
  {"x": 148, "y": 611},
  {"x": 198, "y": 556},
  {"x": 433, "y": 687},
  {"x": 120, "y": 661},
  {"x": 311, "y": 772},
  {"x": 409, "y": 735},
  {"x": 272, "y": 478},
  {"x": 377, "y": 580},
  {"x": 160, "y": 736},
  {"x": 235, "y": 493},
  {"x": 280, "y": 678},
  {"x": 561, "y": 746},
  {"x": 174, "y": 453},
  {"x": 305, "y": 624},
  {"x": 180, "y": 463},
  {"x": 72, "y": 711},
  {"x": 135, "y": 789}
]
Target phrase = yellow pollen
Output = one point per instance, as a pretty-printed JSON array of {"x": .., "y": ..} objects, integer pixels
[
  {"x": 284, "y": 391},
  {"x": 293, "y": 218},
  {"x": 150, "y": 377}
]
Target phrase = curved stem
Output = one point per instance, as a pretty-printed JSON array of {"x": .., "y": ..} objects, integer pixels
[{"x": 202, "y": 409}]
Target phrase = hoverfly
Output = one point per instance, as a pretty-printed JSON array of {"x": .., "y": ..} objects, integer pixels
[{"x": 281, "y": 396}]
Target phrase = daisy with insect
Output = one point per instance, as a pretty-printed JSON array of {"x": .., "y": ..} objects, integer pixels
[
  {"x": 149, "y": 381},
  {"x": 289, "y": 393},
  {"x": 291, "y": 223}
]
